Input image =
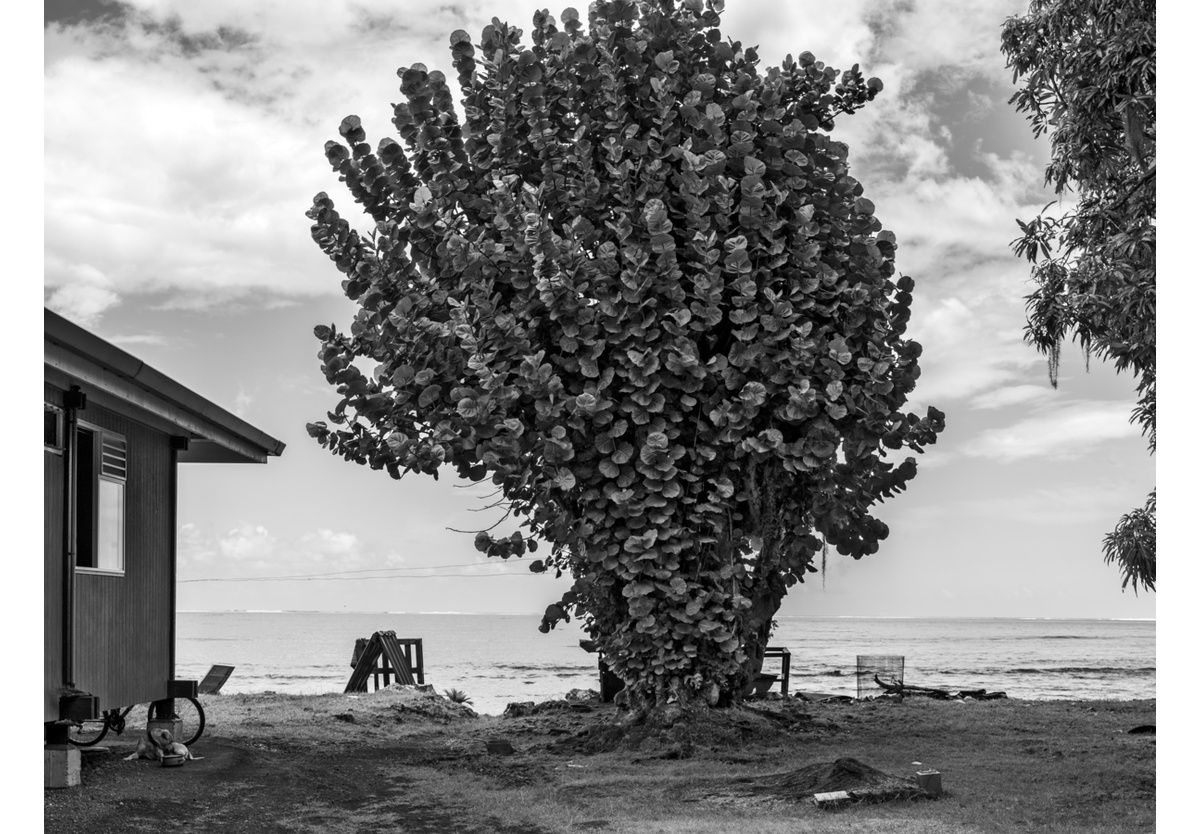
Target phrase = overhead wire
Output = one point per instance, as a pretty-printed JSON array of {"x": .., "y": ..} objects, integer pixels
[{"x": 380, "y": 573}]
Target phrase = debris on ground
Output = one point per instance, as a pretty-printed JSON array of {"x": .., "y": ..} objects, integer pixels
[
  {"x": 901, "y": 689},
  {"x": 582, "y": 696},
  {"x": 499, "y": 747},
  {"x": 827, "y": 784}
]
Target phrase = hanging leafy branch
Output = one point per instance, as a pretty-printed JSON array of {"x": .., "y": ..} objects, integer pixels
[
  {"x": 1131, "y": 545},
  {"x": 1088, "y": 75},
  {"x": 637, "y": 290}
]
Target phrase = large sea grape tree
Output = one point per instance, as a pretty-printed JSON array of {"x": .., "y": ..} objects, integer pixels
[{"x": 636, "y": 289}]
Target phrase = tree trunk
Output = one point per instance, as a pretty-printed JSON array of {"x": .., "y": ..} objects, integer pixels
[
  {"x": 768, "y": 587},
  {"x": 759, "y": 623}
]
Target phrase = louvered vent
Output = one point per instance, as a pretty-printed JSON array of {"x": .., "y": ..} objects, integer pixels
[{"x": 112, "y": 464}]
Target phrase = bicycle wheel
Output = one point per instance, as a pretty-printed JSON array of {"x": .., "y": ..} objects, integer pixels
[
  {"x": 87, "y": 733},
  {"x": 191, "y": 717}
]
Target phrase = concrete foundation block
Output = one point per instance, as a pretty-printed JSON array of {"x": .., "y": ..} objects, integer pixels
[
  {"x": 930, "y": 781},
  {"x": 62, "y": 766},
  {"x": 173, "y": 726}
]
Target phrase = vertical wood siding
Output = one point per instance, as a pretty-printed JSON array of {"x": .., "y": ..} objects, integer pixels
[
  {"x": 123, "y": 623},
  {"x": 54, "y": 481}
]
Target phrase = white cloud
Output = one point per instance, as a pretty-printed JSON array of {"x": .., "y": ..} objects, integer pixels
[
  {"x": 242, "y": 403},
  {"x": 180, "y": 162},
  {"x": 838, "y": 36},
  {"x": 932, "y": 34},
  {"x": 1066, "y": 431},
  {"x": 949, "y": 226},
  {"x": 966, "y": 350},
  {"x": 251, "y": 544},
  {"x": 133, "y": 340},
  {"x": 1013, "y": 395},
  {"x": 954, "y": 234},
  {"x": 83, "y": 303},
  {"x": 194, "y": 548},
  {"x": 251, "y": 550},
  {"x": 329, "y": 542},
  {"x": 923, "y": 35},
  {"x": 1065, "y": 503},
  {"x": 154, "y": 182}
]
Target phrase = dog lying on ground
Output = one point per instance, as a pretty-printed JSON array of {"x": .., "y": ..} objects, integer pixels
[{"x": 158, "y": 743}]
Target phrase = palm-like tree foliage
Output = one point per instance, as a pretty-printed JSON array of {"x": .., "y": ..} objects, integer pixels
[{"x": 1088, "y": 70}]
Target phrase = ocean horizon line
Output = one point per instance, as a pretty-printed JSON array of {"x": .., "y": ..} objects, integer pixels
[
  {"x": 778, "y": 617},
  {"x": 363, "y": 611}
]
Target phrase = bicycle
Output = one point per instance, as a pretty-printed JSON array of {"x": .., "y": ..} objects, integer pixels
[{"x": 187, "y": 710}]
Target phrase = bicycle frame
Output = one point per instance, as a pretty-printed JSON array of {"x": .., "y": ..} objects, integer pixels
[{"x": 88, "y": 733}]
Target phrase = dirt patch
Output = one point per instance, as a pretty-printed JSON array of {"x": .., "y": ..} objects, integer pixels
[
  {"x": 273, "y": 763},
  {"x": 754, "y": 724},
  {"x": 398, "y": 761},
  {"x": 353, "y": 763},
  {"x": 257, "y": 788}
]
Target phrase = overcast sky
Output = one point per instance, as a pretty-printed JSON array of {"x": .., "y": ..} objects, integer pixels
[{"x": 184, "y": 142}]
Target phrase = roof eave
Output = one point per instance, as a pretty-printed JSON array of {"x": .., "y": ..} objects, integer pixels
[{"x": 223, "y": 436}]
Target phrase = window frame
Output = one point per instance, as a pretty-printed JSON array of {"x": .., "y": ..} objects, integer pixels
[
  {"x": 58, "y": 445},
  {"x": 93, "y": 491}
]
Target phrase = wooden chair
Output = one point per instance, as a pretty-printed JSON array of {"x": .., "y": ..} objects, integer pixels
[
  {"x": 785, "y": 658},
  {"x": 214, "y": 680}
]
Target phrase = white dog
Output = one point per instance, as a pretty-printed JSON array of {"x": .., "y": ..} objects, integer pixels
[{"x": 158, "y": 743}]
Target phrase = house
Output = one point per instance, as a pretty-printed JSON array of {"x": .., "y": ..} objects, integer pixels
[{"x": 115, "y": 432}]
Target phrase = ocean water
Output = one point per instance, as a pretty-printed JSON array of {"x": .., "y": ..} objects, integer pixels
[{"x": 497, "y": 659}]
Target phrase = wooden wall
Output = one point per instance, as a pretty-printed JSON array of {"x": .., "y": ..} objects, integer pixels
[
  {"x": 54, "y": 482},
  {"x": 123, "y": 624}
]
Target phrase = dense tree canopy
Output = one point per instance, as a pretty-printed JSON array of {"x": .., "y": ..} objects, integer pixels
[
  {"x": 1087, "y": 70},
  {"x": 637, "y": 290}
]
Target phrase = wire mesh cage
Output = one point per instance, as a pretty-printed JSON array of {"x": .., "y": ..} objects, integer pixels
[{"x": 888, "y": 668}]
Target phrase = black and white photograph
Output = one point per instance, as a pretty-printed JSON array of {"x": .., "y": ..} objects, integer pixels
[{"x": 643, "y": 416}]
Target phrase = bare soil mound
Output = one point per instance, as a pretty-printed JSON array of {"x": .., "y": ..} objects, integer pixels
[
  {"x": 854, "y": 780},
  {"x": 845, "y": 774},
  {"x": 421, "y": 700}
]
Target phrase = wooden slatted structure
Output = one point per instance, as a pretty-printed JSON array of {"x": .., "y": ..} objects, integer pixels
[{"x": 384, "y": 655}]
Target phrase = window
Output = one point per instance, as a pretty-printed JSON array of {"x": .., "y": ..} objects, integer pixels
[
  {"x": 100, "y": 519},
  {"x": 54, "y": 428}
]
